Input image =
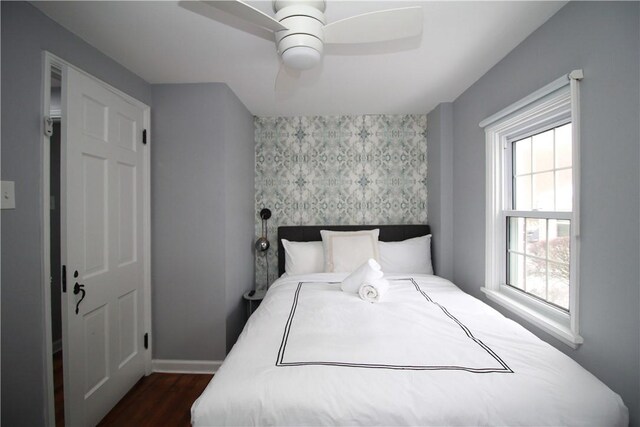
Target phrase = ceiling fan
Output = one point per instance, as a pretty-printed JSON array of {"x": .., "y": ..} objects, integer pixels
[{"x": 301, "y": 30}]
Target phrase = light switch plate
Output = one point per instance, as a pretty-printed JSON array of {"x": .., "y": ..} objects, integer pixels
[{"x": 7, "y": 195}]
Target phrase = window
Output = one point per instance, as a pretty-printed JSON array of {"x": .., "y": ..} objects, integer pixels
[{"x": 532, "y": 208}]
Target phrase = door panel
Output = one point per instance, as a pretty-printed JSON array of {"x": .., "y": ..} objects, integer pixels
[
  {"x": 96, "y": 329},
  {"x": 126, "y": 214},
  {"x": 102, "y": 220},
  {"x": 127, "y": 131},
  {"x": 127, "y": 307},
  {"x": 94, "y": 217},
  {"x": 94, "y": 118}
]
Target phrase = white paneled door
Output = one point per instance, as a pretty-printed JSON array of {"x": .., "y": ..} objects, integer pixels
[{"x": 102, "y": 228}]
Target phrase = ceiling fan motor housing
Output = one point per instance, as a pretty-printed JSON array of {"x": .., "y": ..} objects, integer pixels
[{"x": 301, "y": 46}]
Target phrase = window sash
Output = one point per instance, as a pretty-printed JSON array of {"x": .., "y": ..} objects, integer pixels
[
  {"x": 508, "y": 160},
  {"x": 547, "y": 259}
]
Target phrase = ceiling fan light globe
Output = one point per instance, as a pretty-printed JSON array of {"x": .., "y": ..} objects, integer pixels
[
  {"x": 316, "y": 4},
  {"x": 301, "y": 57}
]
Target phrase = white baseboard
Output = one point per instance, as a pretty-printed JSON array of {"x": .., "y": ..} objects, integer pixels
[
  {"x": 185, "y": 366},
  {"x": 56, "y": 346}
]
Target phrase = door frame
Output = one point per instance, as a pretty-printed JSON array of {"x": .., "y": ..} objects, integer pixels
[{"x": 50, "y": 62}]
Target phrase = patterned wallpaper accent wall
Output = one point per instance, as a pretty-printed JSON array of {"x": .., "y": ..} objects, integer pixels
[{"x": 338, "y": 170}]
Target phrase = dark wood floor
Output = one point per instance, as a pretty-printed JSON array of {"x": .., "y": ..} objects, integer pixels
[{"x": 156, "y": 400}]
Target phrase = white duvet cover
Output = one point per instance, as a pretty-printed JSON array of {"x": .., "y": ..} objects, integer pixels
[{"x": 428, "y": 354}]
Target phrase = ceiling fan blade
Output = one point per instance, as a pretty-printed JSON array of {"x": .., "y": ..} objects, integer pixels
[
  {"x": 286, "y": 80},
  {"x": 373, "y": 27},
  {"x": 248, "y": 13}
]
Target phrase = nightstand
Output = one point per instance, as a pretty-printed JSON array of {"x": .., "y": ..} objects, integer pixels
[{"x": 253, "y": 301}]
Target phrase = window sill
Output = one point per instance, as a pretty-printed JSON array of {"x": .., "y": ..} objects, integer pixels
[{"x": 554, "y": 327}]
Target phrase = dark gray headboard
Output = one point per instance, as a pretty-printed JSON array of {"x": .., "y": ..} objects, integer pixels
[{"x": 310, "y": 233}]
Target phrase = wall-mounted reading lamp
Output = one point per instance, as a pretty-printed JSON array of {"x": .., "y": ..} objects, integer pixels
[{"x": 262, "y": 244}]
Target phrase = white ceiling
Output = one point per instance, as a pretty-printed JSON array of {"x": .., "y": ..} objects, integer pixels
[{"x": 166, "y": 42}]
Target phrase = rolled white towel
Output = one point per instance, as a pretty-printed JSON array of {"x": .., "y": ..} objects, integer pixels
[
  {"x": 367, "y": 272},
  {"x": 372, "y": 291}
]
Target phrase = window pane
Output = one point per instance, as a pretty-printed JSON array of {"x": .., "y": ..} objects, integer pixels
[
  {"x": 543, "y": 192},
  {"x": 562, "y": 228},
  {"x": 564, "y": 193},
  {"x": 516, "y": 271},
  {"x": 542, "y": 148},
  {"x": 536, "y": 277},
  {"x": 522, "y": 193},
  {"x": 517, "y": 234},
  {"x": 536, "y": 237},
  {"x": 522, "y": 156},
  {"x": 559, "y": 284},
  {"x": 563, "y": 146},
  {"x": 559, "y": 246}
]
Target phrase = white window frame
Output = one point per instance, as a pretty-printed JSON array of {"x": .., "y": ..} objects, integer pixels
[{"x": 551, "y": 106}]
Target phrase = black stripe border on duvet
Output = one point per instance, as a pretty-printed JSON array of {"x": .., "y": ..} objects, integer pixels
[{"x": 504, "y": 368}]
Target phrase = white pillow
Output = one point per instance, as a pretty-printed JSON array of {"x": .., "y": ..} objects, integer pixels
[
  {"x": 406, "y": 257},
  {"x": 303, "y": 257},
  {"x": 344, "y": 251}
]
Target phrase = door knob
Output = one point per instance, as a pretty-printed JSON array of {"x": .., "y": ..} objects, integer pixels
[{"x": 77, "y": 288}]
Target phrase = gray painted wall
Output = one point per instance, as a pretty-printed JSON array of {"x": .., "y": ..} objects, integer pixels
[
  {"x": 26, "y": 32},
  {"x": 239, "y": 162},
  {"x": 440, "y": 187},
  {"x": 602, "y": 38},
  {"x": 202, "y": 219}
]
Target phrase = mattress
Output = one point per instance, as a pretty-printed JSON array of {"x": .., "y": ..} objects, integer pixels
[{"x": 427, "y": 354}]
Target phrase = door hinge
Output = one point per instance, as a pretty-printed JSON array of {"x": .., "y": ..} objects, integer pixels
[
  {"x": 144, "y": 136},
  {"x": 146, "y": 340},
  {"x": 64, "y": 278}
]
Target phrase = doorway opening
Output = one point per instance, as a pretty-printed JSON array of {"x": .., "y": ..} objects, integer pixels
[{"x": 55, "y": 114}]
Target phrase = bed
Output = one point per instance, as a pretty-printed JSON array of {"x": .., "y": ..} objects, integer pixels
[{"x": 428, "y": 354}]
